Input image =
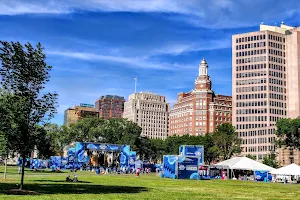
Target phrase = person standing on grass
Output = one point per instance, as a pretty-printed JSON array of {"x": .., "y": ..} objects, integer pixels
[
  {"x": 137, "y": 172},
  {"x": 19, "y": 165}
]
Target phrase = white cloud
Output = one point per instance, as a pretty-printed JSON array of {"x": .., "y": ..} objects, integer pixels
[
  {"x": 178, "y": 48},
  {"x": 13, "y": 7},
  {"x": 132, "y": 62},
  {"x": 203, "y": 13}
]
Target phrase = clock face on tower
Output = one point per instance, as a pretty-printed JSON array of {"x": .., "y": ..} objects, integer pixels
[{"x": 201, "y": 85}]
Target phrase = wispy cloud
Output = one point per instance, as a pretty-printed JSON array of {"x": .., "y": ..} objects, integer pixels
[
  {"x": 13, "y": 7},
  {"x": 203, "y": 13},
  {"x": 204, "y": 45},
  {"x": 131, "y": 62}
]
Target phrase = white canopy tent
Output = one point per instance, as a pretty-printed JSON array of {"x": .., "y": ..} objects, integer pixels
[
  {"x": 289, "y": 170},
  {"x": 243, "y": 163}
]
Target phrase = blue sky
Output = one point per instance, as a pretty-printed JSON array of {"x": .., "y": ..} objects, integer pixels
[{"x": 97, "y": 47}]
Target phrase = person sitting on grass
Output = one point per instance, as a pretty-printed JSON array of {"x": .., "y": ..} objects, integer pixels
[
  {"x": 75, "y": 178},
  {"x": 68, "y": 179}
]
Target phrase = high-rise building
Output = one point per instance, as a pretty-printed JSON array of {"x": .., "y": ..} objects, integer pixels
[
  {"x": 110, "y": 106},
  {"x": 200, "y": 111},
  {"x": 72, "y": 115},
  {"x": 150, "y": 111},
  {"x": 265, "y": 86}
]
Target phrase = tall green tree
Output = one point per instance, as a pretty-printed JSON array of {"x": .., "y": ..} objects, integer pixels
[
  {"x": 4, "y": 148},
  {"x": 251, "y": 157},
  {"x": 210, "y": 152},
  {"x": 288, "y": 132},
  {"x": 45, "y": 143},
  {"x": 59, "y": 136},
  {"x": 226, "y": 141},
  {"x": 271, "y": 161},
  {"x": 88, "y": 129},
  {"x": 24, "y": 74}
]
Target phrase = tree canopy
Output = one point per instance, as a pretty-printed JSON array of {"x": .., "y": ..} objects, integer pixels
[
  {"x": 24, "y": 74},
  {"x": 288, "y": 132},
  {"x": 226, "y": 140}
]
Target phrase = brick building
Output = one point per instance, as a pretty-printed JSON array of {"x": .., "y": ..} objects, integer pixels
[
  {"x": 200, "y": 111},
  {"x": 110, "y": 106},
  {"x": 72, "y": 115}
]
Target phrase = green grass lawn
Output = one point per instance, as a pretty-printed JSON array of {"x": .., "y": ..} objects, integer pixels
[{"x": 53, "y": 186}]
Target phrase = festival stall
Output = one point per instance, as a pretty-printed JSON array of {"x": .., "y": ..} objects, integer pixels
[
  {"x": 243, "y": 168},
  {"x": 185, "y": 165},
  {"x": 290, "y": 173}
]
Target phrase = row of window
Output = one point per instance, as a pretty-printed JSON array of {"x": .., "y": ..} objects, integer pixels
[
  {"x": 251, "y": 67},
  {"x": 276, "y": 45},
  {"x": 249, "y": 126},
  {"x": 251, "y": 74},
  {"x": 251, "y": 111},
  {"x": 276, "y": 67},
  {"x": 251, "y": 96},
  {"x": 251, "y": 119},
  {"x": 250, "y": 53},
  {"x": 277, "y": 111},
  {"x": 251, "y": 89},
  {"x": 251, "y": 103},
  {"x": 276, "y": 74},
  {"x": 258, "y": 140},
  {"x": 251, "y": 81},
  {"x": 250, "y": 38},
  {"x": 276, "y": 52},
  {"x": 277, "y": 89},
  {"x": 277, "y": 81},
  {"x": 252, "y": 59},
  {"x": 260, "y": 37},
  {"x": 277, "y": 96},
  {"x": 277, "y": 60},
  {"x": 250, "y": 45},
  {"x": 260, "y": 149},
  {"x": 276, "y": 38},
  {"x": 277, "y": 104},
  {"x": 257, "y": 132},
  {"x": 261, "y": 103}
]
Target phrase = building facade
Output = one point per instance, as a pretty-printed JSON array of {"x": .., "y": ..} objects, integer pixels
[
  {"x": 110, "y": 106},
  {"x": 200, "y": 111},
  {"x": 265, "y": 86},
  {"x": 150, "y": 111},
  {"x": 72, "y": 115}
]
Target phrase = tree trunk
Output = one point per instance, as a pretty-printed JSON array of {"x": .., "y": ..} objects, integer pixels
[
  {"x": 5, "y": 168},
  {"x": 22, "y": 176}
]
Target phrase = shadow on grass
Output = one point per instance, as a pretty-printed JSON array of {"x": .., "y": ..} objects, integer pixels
[
  {"x": 28, "y": 171},
  {"x": 59, "y": 181},
  {"x": 71, "y": 188}
]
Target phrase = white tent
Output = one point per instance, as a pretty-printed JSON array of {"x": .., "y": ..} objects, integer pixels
[
  {"x": 243, "y": 163},
  {"x": 288, "y": 170}
]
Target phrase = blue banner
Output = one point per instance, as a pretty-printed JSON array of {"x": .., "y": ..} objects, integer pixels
[
  {"x": 187, "y": 167},
  {"x": 104, "y": 147},
  {"x": 193, "y": 150},
  {"x": 169, "y": 167}
]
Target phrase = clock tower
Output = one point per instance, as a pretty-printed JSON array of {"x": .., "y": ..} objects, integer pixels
[{"x": 203, "y": 81}]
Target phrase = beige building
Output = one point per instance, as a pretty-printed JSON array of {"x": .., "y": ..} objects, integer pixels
[
  {"x": 200, "y": 111},
  {"x": 265, "y": 86},
  {"x": 150, "y": 112},
  {"x": 72, "y": 115}
]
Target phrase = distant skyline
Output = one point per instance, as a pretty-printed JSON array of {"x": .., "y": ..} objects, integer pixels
[{"x": 98, "y": 47}]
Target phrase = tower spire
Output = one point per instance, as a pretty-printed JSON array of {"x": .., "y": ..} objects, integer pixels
[{"x": 203, "y": 68}]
